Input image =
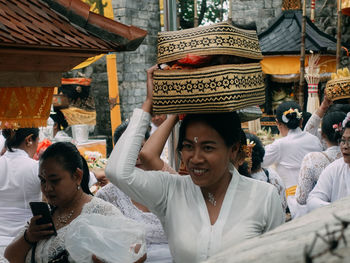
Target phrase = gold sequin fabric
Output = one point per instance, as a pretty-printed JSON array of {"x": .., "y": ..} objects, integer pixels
[
  {"x": 217, "y": 39},
  {"x": 211, "y": 89},
  {"x": 25, "y": 107},
  {"x": 338, "y": 89}
]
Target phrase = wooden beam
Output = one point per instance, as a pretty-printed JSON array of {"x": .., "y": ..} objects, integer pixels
[
  {"x": 30, "y": 79},
  {"x": 38, "y": 62},
  {"x": 339, "y": 26},
  {"x": 300, "y": 94}
]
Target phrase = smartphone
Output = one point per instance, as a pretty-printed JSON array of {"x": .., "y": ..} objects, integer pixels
[{"x": 43, "y": 209}]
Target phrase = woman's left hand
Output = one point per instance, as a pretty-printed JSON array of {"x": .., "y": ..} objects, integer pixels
[{"x": 96, "y": 260}]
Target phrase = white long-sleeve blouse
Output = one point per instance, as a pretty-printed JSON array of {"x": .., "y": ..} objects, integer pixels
[
  {"x": 333, "y": 184},
  {"x": 313, "y": 126},
  {"x": 19, "y": 185},
  {"x": 312, "y": 166},
  {"x": 288, "y": 152},
  {"x": 250, "y": 207}
]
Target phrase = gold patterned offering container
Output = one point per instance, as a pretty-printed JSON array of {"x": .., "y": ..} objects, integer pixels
[
  {"x": 345, "y": 7},
  {"x": 233, "y": 81},
  {"x": 339, "y": 87}
]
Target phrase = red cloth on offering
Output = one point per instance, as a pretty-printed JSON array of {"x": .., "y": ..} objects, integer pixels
[
  {"x": 194, "y": 60},
  {"x": 42, "y": 146}
]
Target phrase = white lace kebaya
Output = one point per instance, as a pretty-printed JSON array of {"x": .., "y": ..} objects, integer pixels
[
  {"x": 157, "y": 243},
  {"x": 312, "y": 166},
  {"x": 312, "y": 126},
  {"x": 276, "y": 181},
  {"x": 48, "y": 249}
]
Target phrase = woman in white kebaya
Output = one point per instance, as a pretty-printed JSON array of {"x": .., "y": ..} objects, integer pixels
[
  {"x": 315, "y": 162},
  {"x": 19, "y": 182},
  {"x": 265, "y": 175},
  {"x": 288, "y": 152},
  {"x": 212, "y": 208},
  {"x": 334, "y": 181}
]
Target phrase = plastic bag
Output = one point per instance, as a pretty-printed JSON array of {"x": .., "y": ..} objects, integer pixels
[{"x": 110, "y": 238}]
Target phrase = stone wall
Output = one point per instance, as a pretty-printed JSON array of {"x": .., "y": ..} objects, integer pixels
[
  {"x": 145, "y": 14},
  {"x": 132, "y": 65},
  {"x": 262, "y": 12},
  {"x": 265, "y": 11}
]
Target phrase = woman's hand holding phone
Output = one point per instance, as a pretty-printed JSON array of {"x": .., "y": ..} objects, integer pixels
[{"x": 36, "y": 232}]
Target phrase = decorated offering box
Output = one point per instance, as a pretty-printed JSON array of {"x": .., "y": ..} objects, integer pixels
[
  {"x": 339, "y": 86},
  {"x": 208, "y": 69},
  {"x": 217, "y": 39},
  {"x": 210, "y": 89}
]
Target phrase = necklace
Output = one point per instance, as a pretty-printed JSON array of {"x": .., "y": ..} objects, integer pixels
[
  {"x": 211, "y": 199},
  {"x": 63, "y": 219}
]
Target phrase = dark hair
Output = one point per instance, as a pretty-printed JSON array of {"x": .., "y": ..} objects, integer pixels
[
  {"x": 258, "y": 152},
  {"x": 121, "y": 129},
  {"x": 306, "y": 117},
  {"x": 347, "y": 125},
  {"x": 339, "y": 107},
  {"x": 293, "y": 120},
  {"x": 86, "y": 177},
  {"x": 69, "y": 157},
  {"x": 244, "y": 168},
  {"x": 59, "y": 118},
  {"x": 228, "y": 125},
  {"x": 331, "y": 118},
  {"x": 14, "y": 138}
]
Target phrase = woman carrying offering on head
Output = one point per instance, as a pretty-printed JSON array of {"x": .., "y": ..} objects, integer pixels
[
  {"x": 213, "y": 207},
  {"x": 288, "y": 152}
]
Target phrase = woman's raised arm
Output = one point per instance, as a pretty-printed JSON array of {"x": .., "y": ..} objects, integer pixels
[{"x": 152, "y": 149}]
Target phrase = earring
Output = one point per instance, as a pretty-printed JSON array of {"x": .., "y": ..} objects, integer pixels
[
  {"x": 29, "y": 143},
  {"x": 78, "y": 187}
]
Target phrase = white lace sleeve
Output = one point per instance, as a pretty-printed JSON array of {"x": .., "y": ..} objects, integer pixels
[
  {"x": 312, "y": 127},
  {"x": 311, "y": 167},
  {"x": 154, "y": 230},
  {"x": 48, "y": 249},
  {"x": 276, "y": 180},
  {"x": 99, "y": 206},
  {"x": 313, "y": 124}
]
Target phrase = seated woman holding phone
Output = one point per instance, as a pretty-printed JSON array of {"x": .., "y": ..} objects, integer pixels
[{"x": 64, "y": 185}]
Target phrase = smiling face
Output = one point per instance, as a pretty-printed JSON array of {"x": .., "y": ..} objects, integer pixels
[
  {"x": 206, "y": 155},
  {"x": 344, "y": 145},
  {"x": 158, "y": 119},
  {"x": 57, "y": 184}
]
